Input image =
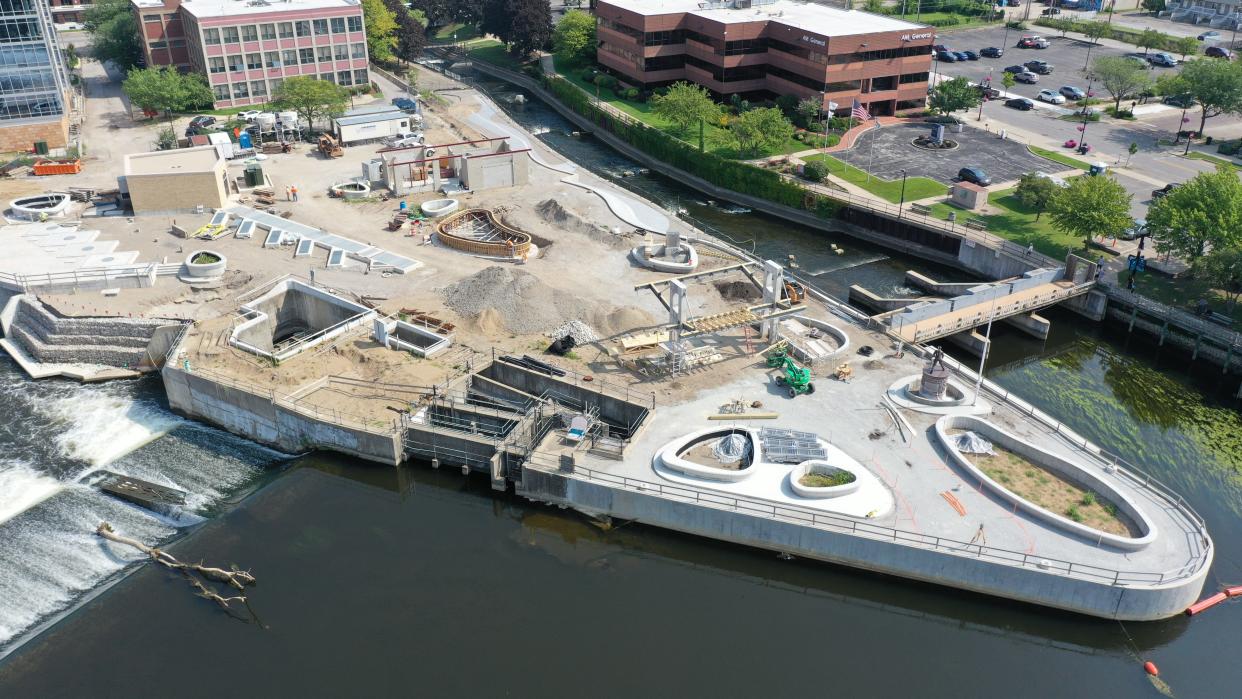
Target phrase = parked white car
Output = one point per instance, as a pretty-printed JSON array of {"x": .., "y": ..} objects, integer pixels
[
  {"x": 249, "y": 114},
  {"x": 1051, "y": 96},
  {"x": 406, "y": 140}
]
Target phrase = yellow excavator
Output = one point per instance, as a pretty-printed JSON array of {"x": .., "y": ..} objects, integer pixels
[{"x": 329, "y": 146}]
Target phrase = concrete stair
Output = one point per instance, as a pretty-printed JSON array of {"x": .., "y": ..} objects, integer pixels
[{"x": 48, "y": 338}]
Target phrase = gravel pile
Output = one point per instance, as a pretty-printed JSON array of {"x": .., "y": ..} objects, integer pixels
[
  {"x": 579, "y": 331},
  {"x": 515, "y": 299}
]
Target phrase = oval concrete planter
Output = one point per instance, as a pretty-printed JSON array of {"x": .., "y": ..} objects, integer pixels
[
  {"x": 352, "y": 190},
  {"x": 439, "y": 207},
  {"x": 823, "y": 468},
  {"x": 670, "y": 455},
  {"x": 208, "y": 270},
  {"x": 1070, "y": 471}
]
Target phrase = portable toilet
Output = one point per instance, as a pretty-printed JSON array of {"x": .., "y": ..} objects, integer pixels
[
  {"x": 243, "y": 139},
  {"x": 254, "y": 175},
  {"x": 1098, "y": 168}
]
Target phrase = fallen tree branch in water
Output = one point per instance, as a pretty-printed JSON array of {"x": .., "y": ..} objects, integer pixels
[{"x": 239, "y": 579}]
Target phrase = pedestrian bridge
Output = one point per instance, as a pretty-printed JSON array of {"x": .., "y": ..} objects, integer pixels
[{"x": 929, "y": 320}]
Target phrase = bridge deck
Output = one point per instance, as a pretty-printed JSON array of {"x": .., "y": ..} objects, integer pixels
[{"x": 977, "y": 314}]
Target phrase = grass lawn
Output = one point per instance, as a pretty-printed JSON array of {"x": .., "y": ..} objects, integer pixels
[
  {"x": 916, "y": 187},
  {"x": 1183, "y": 292},
  {"x": 716, "y": 140},
  {"x": 1059, "y": 158},
  {"x": 494, "y": 52},
  {"x": 1196, "y": 155},
  {"x": 1016, "y": 222},
  {"x": 966, "y": 22},
  {"x": 463, "y": 32}
]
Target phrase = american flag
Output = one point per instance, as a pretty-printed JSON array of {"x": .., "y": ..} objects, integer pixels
[{"x": 859, "y": 112}]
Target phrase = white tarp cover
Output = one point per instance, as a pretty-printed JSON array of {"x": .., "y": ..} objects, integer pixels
[
  {"x": 972, "y": 443},
  {"x": 731, "y": 448}
]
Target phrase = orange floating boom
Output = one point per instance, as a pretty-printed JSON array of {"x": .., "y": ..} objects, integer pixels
[
  {"x": 1208, "y": 603},
  {"x": 1234, "y": 591}
]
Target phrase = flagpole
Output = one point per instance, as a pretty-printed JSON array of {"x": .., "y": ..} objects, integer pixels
[{"x": 871, "y": 158}]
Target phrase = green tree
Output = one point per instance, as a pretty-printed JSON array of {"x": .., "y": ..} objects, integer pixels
[
  {"x": 954, "y": 95},
  {"x": 1097, "y": 30},
  {"x": 1215, "y": 85},
  {"x": 573, "y": 40},
  {"x": 381, "y": 28},
  {"x": 1008, "y": 80},
  {"x": 1204, "y": 213},
  {"x": 165, "y": 90},
  {"x": 1036, "y": 192},
  {"x": 1222, "y": 268},
  {"x": 114, "y": 32},
  {"x": 409, "y": 33},
  {"x": 1153, "y": 6},
  {"x": 685, "y": 105},
  {"x": 810, "y": 109},
  {"x": 815, "y": 171},
  {"x": 1134, "y": 148},
  {"x": 1060, "y": 24},
  {"x": 311, "y": 98},
  {"x": 1120, "y": 76},
  {"x": 760, "y": 129},
  {"x": 1150, "y": 39},
  {"x": 1091, "y": 206},
  {"x": 1184, "y": 45},
  {"x": 530, "y": 25}
]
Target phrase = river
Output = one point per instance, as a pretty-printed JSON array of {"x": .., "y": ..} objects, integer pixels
[{"x": 384, "y": 581}]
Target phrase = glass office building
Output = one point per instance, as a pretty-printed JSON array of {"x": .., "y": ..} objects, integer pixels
[{"x": 33, "y": 82}]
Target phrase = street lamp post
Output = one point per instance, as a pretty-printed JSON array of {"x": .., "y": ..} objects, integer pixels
[
  {"x": 1182, "y": 126},
  {"x": 903, "y": 195}
]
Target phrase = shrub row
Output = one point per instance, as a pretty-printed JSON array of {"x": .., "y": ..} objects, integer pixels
[{"x": 722, "y": 172}]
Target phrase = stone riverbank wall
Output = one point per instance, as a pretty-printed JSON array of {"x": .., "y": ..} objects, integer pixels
[
  {"x": 132, "y": 343},
  {"x": 940, "y": 562}
]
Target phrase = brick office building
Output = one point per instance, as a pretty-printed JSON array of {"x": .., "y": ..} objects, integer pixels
[
  {"x": 69, "y": 11},
  {"x": 246, "y": 48},
  {"x": 768, "y": 47}
]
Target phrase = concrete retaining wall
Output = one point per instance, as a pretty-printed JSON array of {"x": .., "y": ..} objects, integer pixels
[
  {"x": 613, "y": 410},
  {"x": 964, "y": 571},
  {"x": 258, "y": 418},
  {"x": 110, "y": 341}
]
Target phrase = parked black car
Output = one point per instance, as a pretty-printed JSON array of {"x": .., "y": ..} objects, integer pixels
[
  {"x": 1157, "y": 193},
  {"x": 1183, "y": 101},
  {"x": 1040, "y": 67},
  {"x": 1021, "y": 103},
  {"x": 201, "y": 122},
  {"x": 992, "y": 52},
  {"x": 974, "y": 174}
]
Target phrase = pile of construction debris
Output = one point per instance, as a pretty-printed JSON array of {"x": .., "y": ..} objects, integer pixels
[
  {"x": 579, "y": 331},
  {"x": 508, "y": 299}
]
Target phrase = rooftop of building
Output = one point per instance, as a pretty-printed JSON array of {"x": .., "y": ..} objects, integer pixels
[
  {"x": 229, "y": 8},
  {"x": 172, "y": 162},
  {"x": 818, "y": 19}
]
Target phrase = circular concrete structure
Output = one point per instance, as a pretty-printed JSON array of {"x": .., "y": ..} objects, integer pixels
[
  {"x": 210, "y": 265},
  {"x": 822, "y": 468},
  {"x": 672, "y": 455},
  {"x": 33, "y": 208},
  {"x": 351, "y": 190},
  {"x": 439, "y": 207}
]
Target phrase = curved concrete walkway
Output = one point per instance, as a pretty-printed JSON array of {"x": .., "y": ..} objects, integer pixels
[
  {"x": 491, "y": 123},
  {"x": 628, "y": 209}
]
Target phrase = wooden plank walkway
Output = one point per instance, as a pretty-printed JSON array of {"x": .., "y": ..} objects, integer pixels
[{"x": 977, "y": 314}]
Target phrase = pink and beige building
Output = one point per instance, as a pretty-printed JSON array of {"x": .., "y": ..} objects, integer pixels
[
  {"x": 246, "y": 48},
  {"x": 768, "y": 47}
]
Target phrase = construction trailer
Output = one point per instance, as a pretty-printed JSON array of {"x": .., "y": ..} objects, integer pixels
[
  {"x": 488, "y": 163},
  {"x": 354, "y": 127}
]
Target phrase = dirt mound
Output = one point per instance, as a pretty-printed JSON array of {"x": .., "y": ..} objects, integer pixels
[
  {"x": 507, "y": 299},
  {"x": 552, "y": 212},
  {"x": 738, "y": 291},
  {"x": 623, "y": 319}
]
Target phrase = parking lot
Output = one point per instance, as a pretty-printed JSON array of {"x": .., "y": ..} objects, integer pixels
[
  {"x": 1068, "y": 57},
  {"x": 1003, "y": 160}
]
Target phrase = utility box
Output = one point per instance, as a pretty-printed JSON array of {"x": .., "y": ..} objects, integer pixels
[{"x": 968, "y": 195}]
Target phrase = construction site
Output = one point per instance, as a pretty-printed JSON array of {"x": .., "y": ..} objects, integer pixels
[{"x": 484, "y": 305}]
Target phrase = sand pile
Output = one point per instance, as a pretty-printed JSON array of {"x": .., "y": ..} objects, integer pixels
[
  {"x": 507, "y": 299},
  {"x": 552, "y": 212}
]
